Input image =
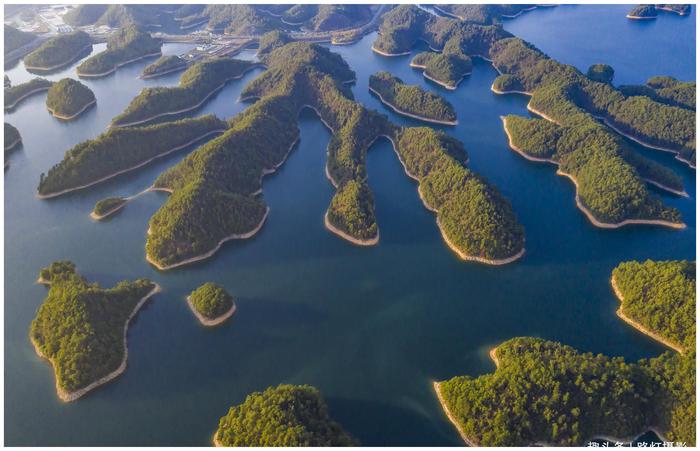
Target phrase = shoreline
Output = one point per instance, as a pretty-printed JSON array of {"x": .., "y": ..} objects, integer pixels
[
  {"x": 453, "y": 420},
  {"x": 579, "y": 204},
  {"x": 59, "y": 65},
  {"x": 78, "y": 113},
  {"x": 196, "y": 258},
  {"x": 666, "y": 188},
  {"x": 13, "y": 144},
  {"x": 159, "y": 74},
  {"x": 108, "y": 213},
  {"x": 184, "y": 110},
  {"x": 512, "y": 91},
  {"x": 640, "y": 17},
  {"x": 376, "y": 50},
  {"x": 345, "y": 236},
  {"x": 677, "y": 153},
  {"x": 117, "y": 66},
  {"x": 26, "y": 95},
  {"x": 650, "y": 333},
  {"x": 434, "y": 80},
  {"x": 114, "y": 174},
  {"x": 414, "y": 116},
  {"x": 67, "y": 396},
  {"x": 214, "y": 321},
  {"x": 617, "y": 225}
]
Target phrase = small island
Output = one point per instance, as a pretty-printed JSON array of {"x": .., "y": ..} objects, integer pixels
[
  {"x": 164, "y": 65},
  {"x": 211, "y": 304},
  {"x": 658, "y": 299},
  {"x": 602, "y": 73},
  {"x": 58, "y": 52},
  {"x": 286, "y": 415},
  {"x": 12, "y": 141},
  {"x": 642, "y": 12},
  {"x": 122, "y": 150},
  {"x": 197, "y": 84},
  {"x": 68, "y": 98},
  {"x": 81, "y": 328},
  {"x": 412, "y": 101},
  {"x": 16, "y": 94},
  {"x": 127, "y": 45},
  {"x": 107, "y": 207}
]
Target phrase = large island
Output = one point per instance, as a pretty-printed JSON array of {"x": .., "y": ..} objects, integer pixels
[
  {"x": 58, "y": 52},
  {"x": 81, "y": 328},
  {"x": 125, "y": 46},
  {"x": 197, "y": 84},
  {"x": 286, "y": 415},
  {"x": 215, "y": 189},
  {"x": 546, "y": 393},
  {"x": 68, "y": 98},
  {"x": 412, "y": 101},
  {"x": 121, "y": 150}
]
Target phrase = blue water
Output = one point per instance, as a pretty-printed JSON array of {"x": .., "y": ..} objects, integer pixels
[{"x": 370, "y": 327}]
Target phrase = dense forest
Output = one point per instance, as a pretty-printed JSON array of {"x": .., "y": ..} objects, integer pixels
[
  {"x": 15, "y": 94},
  {"x": 68, "y": 97},
  {"x": 211, "y": 300},
  {"x": 473, "y": 215},
  {"x": 163, "y": 65},
  {"x": 286, "y": 415},
  {"x": 80, "y": 326},
  {"x": 666, "y": 90},
  {"x": 660, "y": 295},
  {"x": 121, "y": 149},
  {"x": 483, "y": 14},
  {"x": 411, "y": 99},
  {"x": 196, "y": 84},
  {"x": 115, "y": 16},
  {"x": 59, "y": 51},
  {"x": 15, "y": 38},
  {"x": 602, "y": 73},
  {"x": 127, "y": 44},
  {"x": 192, "y": 223},
  {"x": 609, "y": 186}
]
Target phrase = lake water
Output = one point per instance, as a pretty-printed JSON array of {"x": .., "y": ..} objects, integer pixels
[{"x": 370, "y": 327}]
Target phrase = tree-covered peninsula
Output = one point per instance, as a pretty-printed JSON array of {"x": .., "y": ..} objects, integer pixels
[
  {"x": 658, "y": 297},
  {"x": 107, "y": 207},
  {"x": 121, "y": 150},
  {"x": 17, "y": 93},
  {"x": 215, "y": 189},
  {"x": 81, "y": 328},
  {"x": 211, "y": 304},
  {"x": 546, "y": 393},
  {"x": 123, "y": 47},
  {"x": 164, "y": 65},
  {"x": 68, "y": 98},
  {"x": 58, "y": 52},
  {"x": 666, "y": 90},
  {"x": 411, "y": 100},
  {"x": 286, "y": 415},
  {"x": 197, "y": 84}
]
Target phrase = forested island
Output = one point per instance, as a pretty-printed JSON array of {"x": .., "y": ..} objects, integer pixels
[
  {"x": 68, "y": 98},
  {"x": 412, "y": 101},
  {"x": 211, "y": 304},
  {"x": 446, "y": 69},
  {"x": 58, "y": 52},
  {"x": 666, "y": 90},
  {"x": 651, "y": 11},
  {"x": 17, "y": 93},
  {"x": 286, "y": 415},
  {"x": 107, "y": 207},
  {"x": 81, "y": 328},
  {"x": 214, "y": 189},
  {"x": 12, "y": 141},
  {"x": 164, "y": 65},
  {"x": 546, "y": 393},
  {"x": 658, "y": 298},
  {"x": 197, "y": 84},
  {"x": 121, "y": 150},
  {"x": 127, "y": 45}
]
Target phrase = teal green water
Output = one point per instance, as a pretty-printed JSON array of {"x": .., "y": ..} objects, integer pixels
[{"x": 370, "y": 327}]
